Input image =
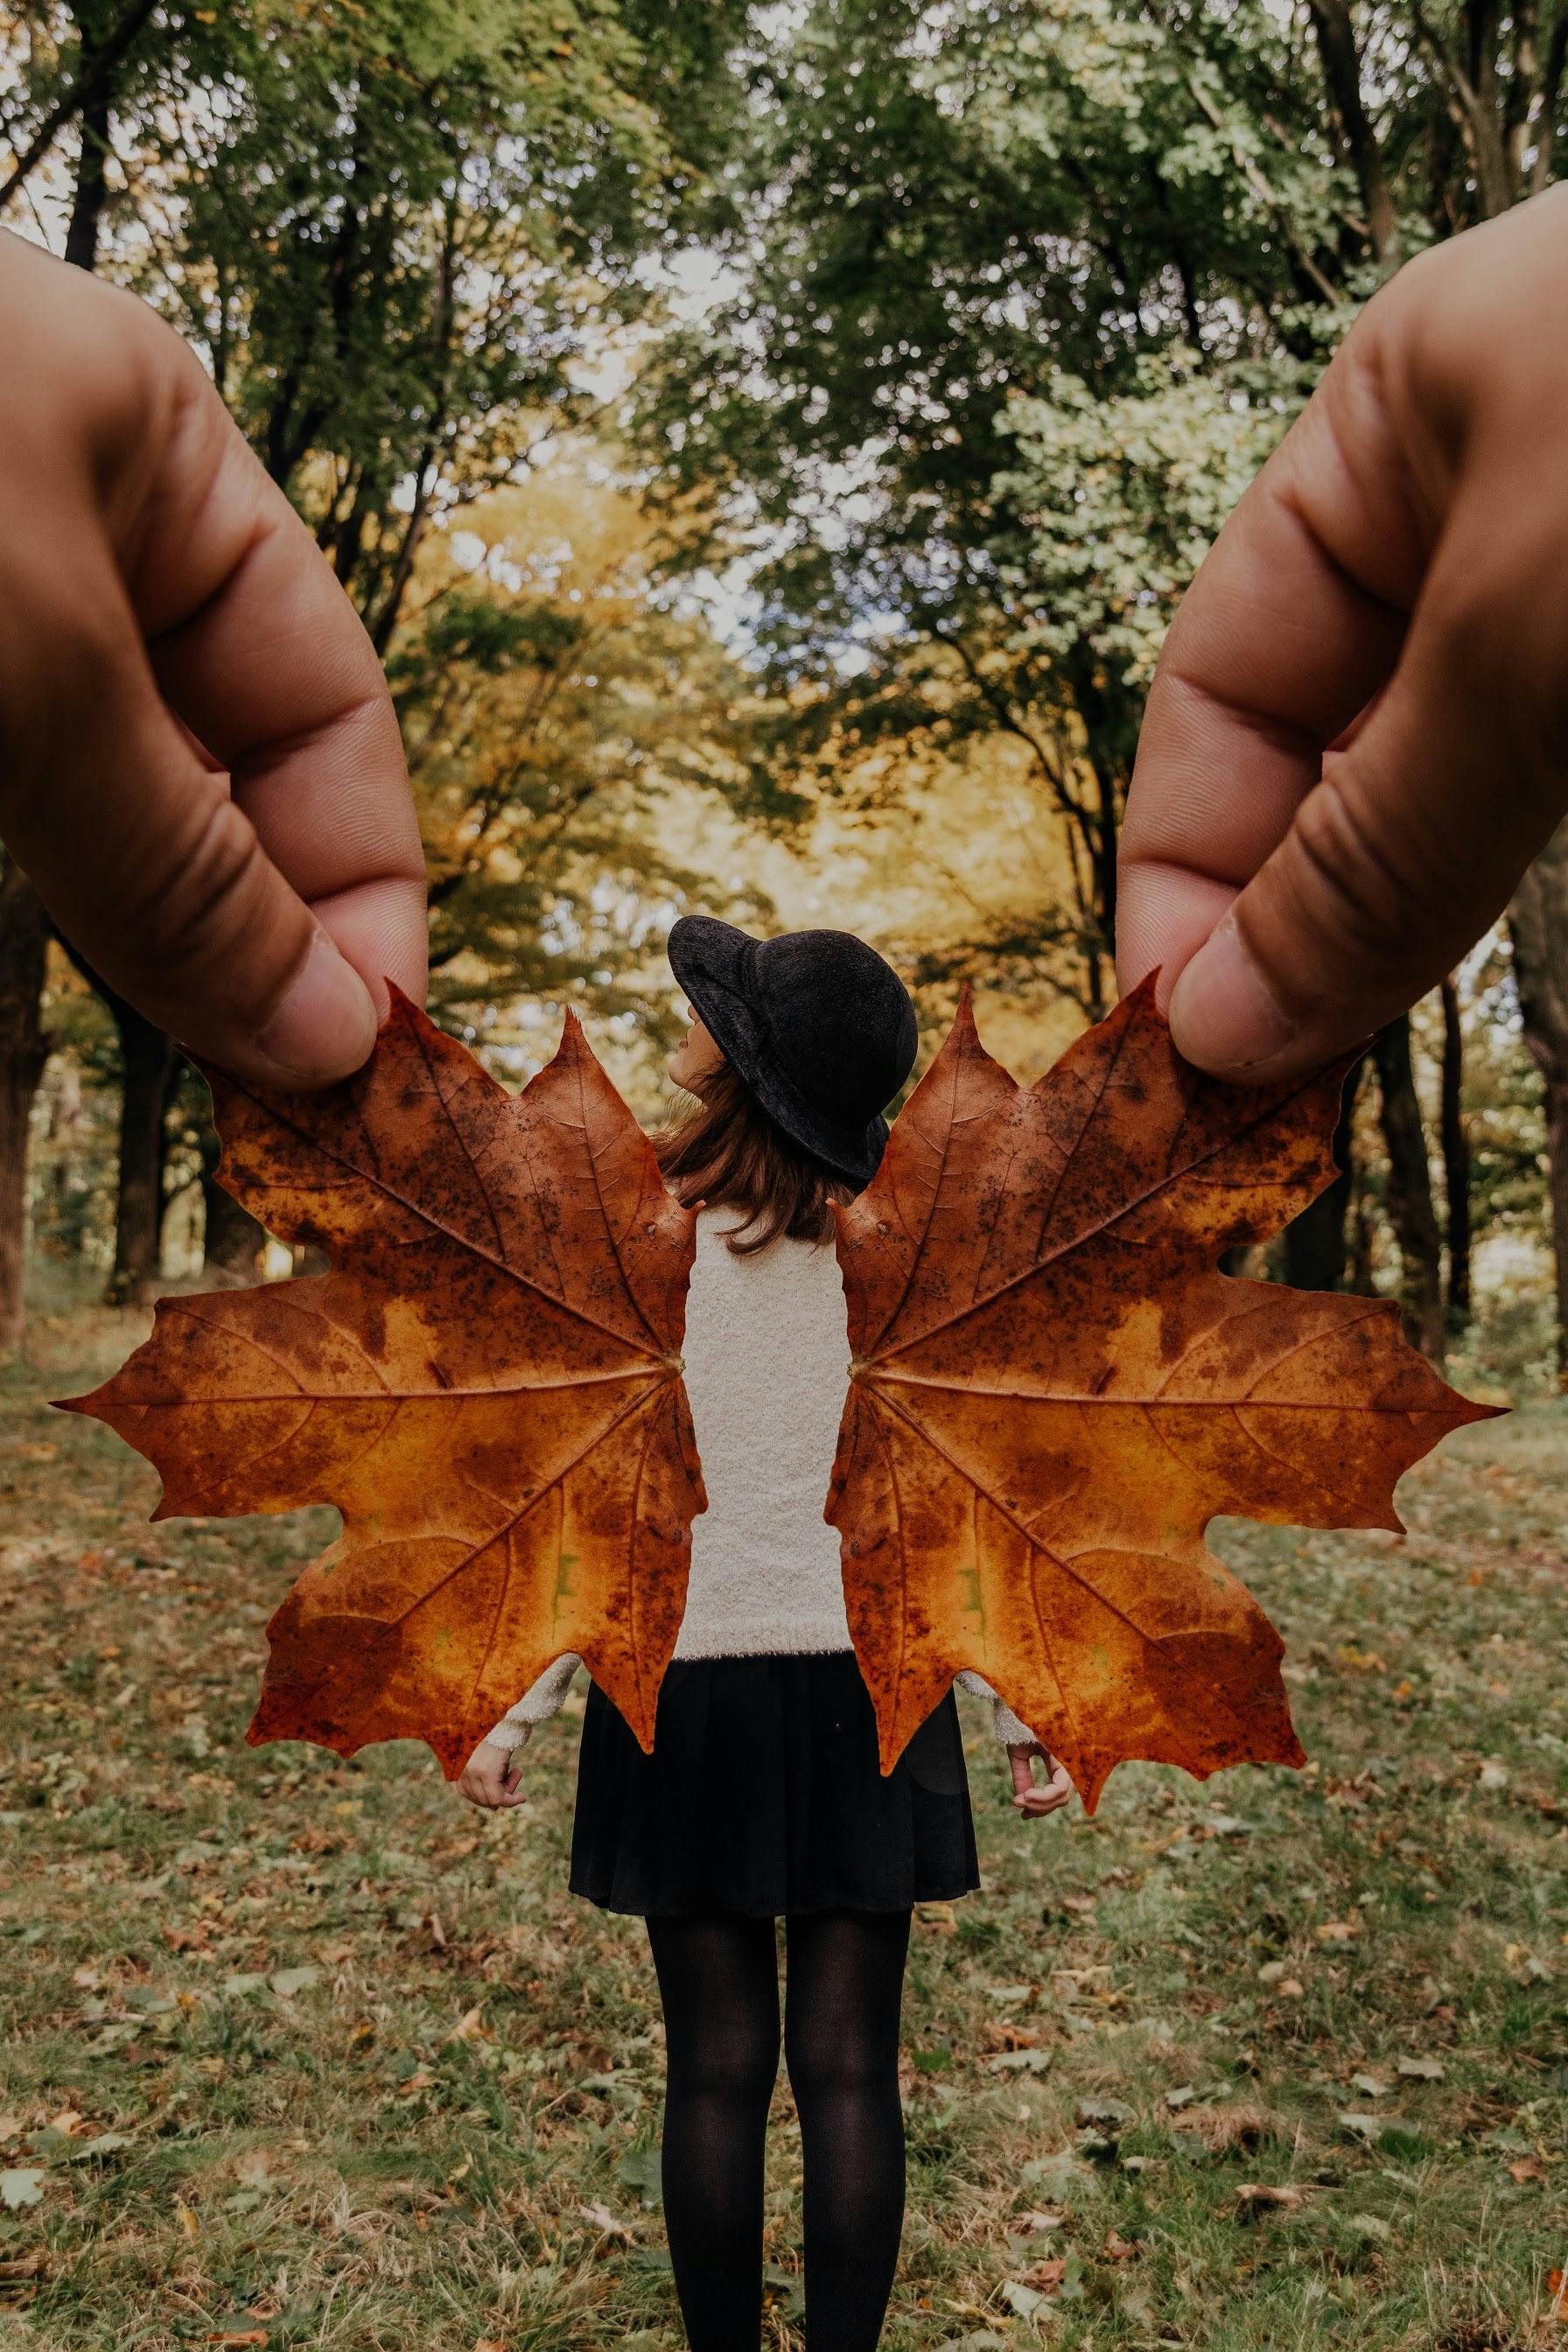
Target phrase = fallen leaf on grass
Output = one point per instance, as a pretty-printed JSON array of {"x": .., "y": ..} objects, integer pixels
[
  {"x": 288, "y": 1981},
  {"x": 1526, "y": 2168},
  {"x": 1058, "y": 2176},
  {"x": 1054, "y": 1389},
  {"x": 85, "y": 2151},
  {"x": 1008, "y": 2036},
  {"x": 22, "y": 2185},
  {"x": 1258, "y": 2196},
  {"x": 1020, "y": 2061},
  {"x": 1372, "y": 2129},
  {"x": 1421, "y": 2069},
  {"x": 939, "y": 1915},
  {"x": 608, "y": 2224}
]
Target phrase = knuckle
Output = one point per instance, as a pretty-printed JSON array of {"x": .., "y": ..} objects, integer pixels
[
  {"x": 197, "y": 897},
  {"x": 1355, "y": 886}
]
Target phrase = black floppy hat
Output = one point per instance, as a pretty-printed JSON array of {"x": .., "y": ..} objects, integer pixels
[{"x": 821, "y": 1029}]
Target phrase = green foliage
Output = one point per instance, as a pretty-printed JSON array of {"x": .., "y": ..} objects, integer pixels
[
  {"x": 553, "y": 703},
  {"x": 1118, "y": 499}
]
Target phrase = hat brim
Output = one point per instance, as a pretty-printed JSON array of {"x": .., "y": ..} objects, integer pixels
[{"x": 713, "y": 963}]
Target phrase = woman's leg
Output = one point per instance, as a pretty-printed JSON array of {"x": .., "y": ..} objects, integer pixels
[
  {"x": 718, "y": 1978},
  {"x": 841, "y": 2046}
]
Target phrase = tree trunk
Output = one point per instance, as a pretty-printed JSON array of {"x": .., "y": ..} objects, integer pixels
[
  {"x": 1341, "y": 72},
  {"x": 91, "y": 186},
  {"x": 1410, "y": 1205},
  {"x": 24, "y": 1049},
  {"x": 1316, "y": 1245},
  {"x": 233, "y": 1240},
  {"x": 1538, "y": 920},
  {"x": 99, "y": 62},
  {"x": 23, "y": 927},
  {"x": 1455, "y": 1161},
  {"x": 147, "y": 1056}
]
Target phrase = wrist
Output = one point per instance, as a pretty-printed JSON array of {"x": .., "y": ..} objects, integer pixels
[{"x": 507, "y": 1737}]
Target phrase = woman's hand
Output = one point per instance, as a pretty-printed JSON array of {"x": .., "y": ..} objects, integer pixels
[
  {"x": 1032, "y": 1798},
  {"x": 492, "y": 1777}
]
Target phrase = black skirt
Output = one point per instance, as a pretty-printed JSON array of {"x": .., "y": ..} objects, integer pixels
[{"x": 764, "y": 1795}]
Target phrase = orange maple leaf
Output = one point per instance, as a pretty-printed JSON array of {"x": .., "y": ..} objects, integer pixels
[
  {"x": 488, "y": 1388},
  {"x": 1054, "y": 1390}
]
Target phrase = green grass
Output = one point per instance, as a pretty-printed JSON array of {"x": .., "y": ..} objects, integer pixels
[{"x": 440, "y": 2136}]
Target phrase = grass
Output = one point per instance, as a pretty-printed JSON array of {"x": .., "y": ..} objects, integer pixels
[{"x": 304, "y": 2053}]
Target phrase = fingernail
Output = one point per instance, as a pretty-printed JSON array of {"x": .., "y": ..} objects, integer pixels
[
  {"x": 1223, "y": 1016},
  {"x": 325, "y": 1026}
]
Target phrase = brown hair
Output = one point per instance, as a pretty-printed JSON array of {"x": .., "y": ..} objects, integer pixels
[{"x": 730, "y": 1154}]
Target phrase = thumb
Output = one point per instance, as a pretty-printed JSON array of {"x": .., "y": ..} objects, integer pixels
[
  {"x": 201, "y": 768},
  {"x": 176, "y": 904},
  {"x": 1399, "y": 857},
  {"x": 1357, "y": 736}
]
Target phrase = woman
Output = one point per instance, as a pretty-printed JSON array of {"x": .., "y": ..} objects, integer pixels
[{"x": 763, "y": 1796}]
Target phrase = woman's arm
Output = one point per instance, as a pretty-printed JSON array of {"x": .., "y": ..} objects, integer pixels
[
  {"x": 538, "y": 1702},
  {"x": 1031, "y": 1798},
  {"x": 490, "y": 1778},
  {"x": 1010, "y": 1729}
]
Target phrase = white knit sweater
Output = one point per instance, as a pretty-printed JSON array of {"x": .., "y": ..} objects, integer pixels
[{"x": 766, "y": 1357}]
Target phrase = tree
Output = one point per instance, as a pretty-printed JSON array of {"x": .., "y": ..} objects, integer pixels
[
  {"x": 398, "y": 232},
  {"x": 24, "y": 1050},
  {"x": 552, "y": 703},
  {"x": 1537, "y": 922},
  {"x": 963, "y": 246},
  {"x": 1000, "y": 273}
]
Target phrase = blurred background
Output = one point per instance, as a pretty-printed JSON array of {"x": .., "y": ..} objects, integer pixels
[{"x": 767, "y": 445}]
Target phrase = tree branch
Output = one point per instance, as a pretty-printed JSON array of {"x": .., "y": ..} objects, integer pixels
[{"x": 90, "y": 84}]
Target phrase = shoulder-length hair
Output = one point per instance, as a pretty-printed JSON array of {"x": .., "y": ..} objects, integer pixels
[{"x": 729, "y": 1154}]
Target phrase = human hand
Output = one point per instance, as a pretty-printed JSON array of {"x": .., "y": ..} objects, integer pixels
[
  {"x": 1034, "y": 1799},
  {"x": 1357, "y": 739},
  {"x": 492, "y": 1777},
  {"x": 164, "y": 601}
]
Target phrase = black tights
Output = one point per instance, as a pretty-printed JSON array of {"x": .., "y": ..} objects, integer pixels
[{"x": 718, "y": 1978}]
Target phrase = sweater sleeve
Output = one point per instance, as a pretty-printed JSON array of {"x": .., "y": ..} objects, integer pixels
[
  {"x": 1009, "y": 1728},
  {"x": 537, "y": 1703}
]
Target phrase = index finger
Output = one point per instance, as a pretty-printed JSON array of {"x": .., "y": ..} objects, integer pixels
[
  {"x": 258, "y": 649},
  {"x": 1292, "y": 624}
]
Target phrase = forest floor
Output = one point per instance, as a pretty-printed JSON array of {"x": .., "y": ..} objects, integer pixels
[{"x": 300, "y": 2052}]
